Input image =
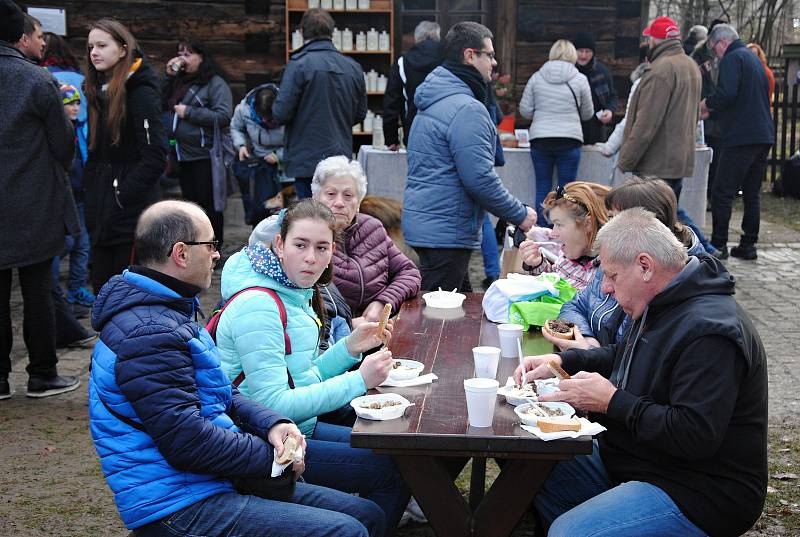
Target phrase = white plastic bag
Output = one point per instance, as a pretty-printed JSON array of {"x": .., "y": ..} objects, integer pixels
[{"x": 516, "y": 288}]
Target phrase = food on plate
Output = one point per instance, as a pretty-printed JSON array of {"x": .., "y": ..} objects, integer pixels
[
  {"x": 387, "y": 310},
  {"x": 291, "y": 451},
  {"x": 558, "y": 423},
  {"x": 543, "y": 411},
  {"x": 528, "y": 390},
  {"x": 377, "y": 405},
  {"x": 560, "y": 329},
  {"x": 556, "y": 370},
  {"x": 399, "y": 365}
]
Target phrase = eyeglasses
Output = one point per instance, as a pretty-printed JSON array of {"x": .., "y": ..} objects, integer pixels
[
  {"x": 560, "y": 193},
  {"x": 488, "y": 53},
  {"x": 213, "y": 243}
]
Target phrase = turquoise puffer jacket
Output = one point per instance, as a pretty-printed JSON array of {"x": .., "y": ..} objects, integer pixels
[{"x": 250, "y": 339}]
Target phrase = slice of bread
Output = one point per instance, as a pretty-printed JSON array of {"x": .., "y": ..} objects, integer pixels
[
  {"x": 558, "y": 423},
  {"x": 290, "y": 447},
  {"x": 387, "y": 311},
  {"x": 556, "y": 370}
]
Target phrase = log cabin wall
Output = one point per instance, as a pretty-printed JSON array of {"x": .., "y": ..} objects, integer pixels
[
  {"x": 246, "y": 37},
  {"x": 616, "y": 23}
]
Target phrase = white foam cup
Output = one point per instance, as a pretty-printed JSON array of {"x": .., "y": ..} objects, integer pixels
[
  {"x": 481, "y": 399},
  {"x": 509, "y": 334},
  {"x": 486, "y": 361}
]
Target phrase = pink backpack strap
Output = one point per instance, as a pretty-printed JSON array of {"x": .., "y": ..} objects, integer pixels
[{"x": 213, "y": 323}]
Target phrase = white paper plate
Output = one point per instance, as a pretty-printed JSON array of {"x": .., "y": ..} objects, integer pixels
[
  {"x": 531, "y": 419},
  {"x": 443, "y": 299},
  {"x": 408, "y": 369},
  {"x": 514, "y": 397},
  {"x": 380, "y": 414}
]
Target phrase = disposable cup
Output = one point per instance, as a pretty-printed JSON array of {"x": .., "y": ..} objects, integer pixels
[
  {"x": 481, "y": 399},
  {"x": 486, "y": 360},
  {"x": 509, "y": 334}
]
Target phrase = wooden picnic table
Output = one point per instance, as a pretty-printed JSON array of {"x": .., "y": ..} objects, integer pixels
[{"x": 432, "y": 442}]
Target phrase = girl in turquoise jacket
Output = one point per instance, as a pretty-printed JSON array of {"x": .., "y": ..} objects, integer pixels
[{"x": 304, "y": 384}]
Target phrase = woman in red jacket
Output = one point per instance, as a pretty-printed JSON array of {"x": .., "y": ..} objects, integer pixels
[
  {"x": 369, "y": 269},
  {"x": 758, "y": 51}
]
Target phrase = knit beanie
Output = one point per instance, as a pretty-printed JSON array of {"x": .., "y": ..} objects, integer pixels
[
  {"x": 585, "y": 40},
  {"x": 11, "y": 19}
]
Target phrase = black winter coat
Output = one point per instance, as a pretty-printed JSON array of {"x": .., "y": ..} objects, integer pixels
[
  {"x": 121, "y": 181},
  {"x": 691, "y": 416},
  {"x": 398, "y": 101},
  {"x": 37, "y": 144},
  {"x": 322, "y": 96}
]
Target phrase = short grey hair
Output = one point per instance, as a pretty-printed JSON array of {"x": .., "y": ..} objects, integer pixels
[
  {"x": 427, "y": 30},
  {"x": 161, "y": 226},
  {"x": 339, "y": 166},
  {"x": 723, "y": 31},
  {"x": 698, "y": 32},
  {"x": 636, "y": 231}
]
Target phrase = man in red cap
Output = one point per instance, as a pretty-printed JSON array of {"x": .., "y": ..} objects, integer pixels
[{"x": 659, "y": 137}]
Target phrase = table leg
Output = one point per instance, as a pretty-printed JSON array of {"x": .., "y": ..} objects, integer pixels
[
  {"x": 477, "y": 482},
  {"x": 510, "y": 495},
  {"x": 437, "y": 494}
]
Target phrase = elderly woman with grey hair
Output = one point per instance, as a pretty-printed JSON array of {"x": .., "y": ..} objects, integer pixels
[{"x": 368, "y": 268}]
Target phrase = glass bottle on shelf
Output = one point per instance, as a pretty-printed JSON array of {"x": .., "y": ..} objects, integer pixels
[
  {"x": 347, "y": 39},
  {"x": 382, "y": 81},
  {"x": 377, "y": 132},
  {"x": 368, "y": 121},
  {"x": 338, "y": 5},
  {"x": 297, "y": 39},
  {"x": 337, "y": 38},
  {"x": 372, "y": 40},
  {"x": 313, "y": 4},
  {"x": 372, "y": 84},
  {"x": 351, "y": 5},
  {"x": 363, "y": 4},
  {"x": 326, "y": 4},
  {"x": 383, "y": 41},
  {"x": 361, "y": 42}
]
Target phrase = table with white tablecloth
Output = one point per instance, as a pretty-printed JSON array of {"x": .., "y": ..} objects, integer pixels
[{"x": 387, "y": 170}]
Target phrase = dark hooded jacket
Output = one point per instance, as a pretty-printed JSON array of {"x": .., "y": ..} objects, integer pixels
[
  {"x": 120, "y": 181},
  {"x": 690, "y": 414},
  {"x": 398, "y": 101}
]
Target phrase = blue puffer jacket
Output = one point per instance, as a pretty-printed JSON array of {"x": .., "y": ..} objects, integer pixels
[
  {"x": 597, "y": 314},
  {"x": 156, "y": 367},
  {"x": 451, "y": 176},
  {"x": 250, "y": 339}
]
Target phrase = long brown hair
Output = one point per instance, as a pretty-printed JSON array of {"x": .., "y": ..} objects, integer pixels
[
  {"x": 583, "y": 200},
  {"x": 116, "y": 94},
  {"x": 312, "y": 209},
  {"x": 654, "y": 195}
]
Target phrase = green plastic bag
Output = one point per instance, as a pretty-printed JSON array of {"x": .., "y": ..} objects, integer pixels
[{"x": 543, "y": 308}]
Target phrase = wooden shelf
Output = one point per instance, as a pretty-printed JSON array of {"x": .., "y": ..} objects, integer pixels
[
  {"x": 355, "y": 11},
  {"x": 370, "y": 93},
  {"x": 356, "y": 52},
  {"x": 362, "y": 133}
]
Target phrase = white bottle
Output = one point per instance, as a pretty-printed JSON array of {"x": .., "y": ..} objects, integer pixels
[
  {"x": 356, "y": 128},
  {"x": 372, "y": 40},
  {"x": 351, "y": 5},
  {"x": 382, "y": 81},
  {"x": 372, "y": 77},
  {"x": 297, "y": 39},
  {"x": 361, "y": 41},
  {"x": 337, "y": 38},
  {"x": 313, "y": 4},
  {"x": 347, "y": 39},
  {"x": 377, "y": 133},
  {"x": 383, "y": 41},
  {"x": 338, "y": 5},
  {"x": 368, "y": 121},
  {"x": 326, "y": 4},
  {"x": 363, "y": 4},
  {"x": 366, "y": 81}
]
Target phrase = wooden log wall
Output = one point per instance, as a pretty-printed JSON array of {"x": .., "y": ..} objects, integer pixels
[
  {"x": 616, "y": 23},
  {"x": 246, "y": 37}
]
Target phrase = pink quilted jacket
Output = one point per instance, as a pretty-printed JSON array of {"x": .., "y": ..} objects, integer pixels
[{"x": 367, "y": 266}]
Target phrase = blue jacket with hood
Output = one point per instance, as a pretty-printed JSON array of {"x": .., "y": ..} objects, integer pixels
[
  {"x": 157, "y": 367},
  {"x": 451, "y": 177}
]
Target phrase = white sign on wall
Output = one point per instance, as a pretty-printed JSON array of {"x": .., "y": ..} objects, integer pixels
[{"x": 53, "y": 19}]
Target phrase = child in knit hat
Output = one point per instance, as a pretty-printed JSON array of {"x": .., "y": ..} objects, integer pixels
[{"x": 78, "y": 246}]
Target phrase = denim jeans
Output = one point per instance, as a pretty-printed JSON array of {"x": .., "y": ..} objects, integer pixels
[
  {"x": 741, "y": 166},
  {"x": 491, "y": 257},
  {"x": 258, "y": 182},
  {"x": 331, "y": 462},
  {"x": 302, "y": 186},
  {"x": 543, "y": 164},
  {"x": 78, "y": 248},
  {"x": 579, "y": 499},
  {"x": 312, "y": 511}
]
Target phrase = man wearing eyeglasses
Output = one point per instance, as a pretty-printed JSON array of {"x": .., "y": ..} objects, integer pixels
[
  {"x": 451, "y": 154},
  {"x": 170, "y": 430}
]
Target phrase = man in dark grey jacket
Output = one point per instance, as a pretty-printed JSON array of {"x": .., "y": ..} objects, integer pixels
[
  {"x": 36, "y": 209},
  {"x": 322, "y": 96}
]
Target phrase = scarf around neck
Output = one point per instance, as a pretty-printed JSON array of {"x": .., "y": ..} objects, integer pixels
[
  {"x": 264, "y": 261},
  {"x": 469, "y": 76}
]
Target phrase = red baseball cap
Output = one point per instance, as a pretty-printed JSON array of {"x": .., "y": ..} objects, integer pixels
[{"x": 662, "y": 28}]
